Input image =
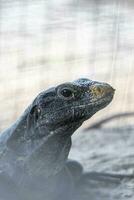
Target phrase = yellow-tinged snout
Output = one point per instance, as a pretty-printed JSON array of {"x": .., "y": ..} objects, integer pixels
[{"x": 99, "y": 90}]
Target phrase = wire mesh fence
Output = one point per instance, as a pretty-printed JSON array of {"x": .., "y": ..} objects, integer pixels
[{"x": 43, "y": 43}]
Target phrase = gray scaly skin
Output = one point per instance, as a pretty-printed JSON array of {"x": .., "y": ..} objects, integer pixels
[{"x": 34, "y": 150}]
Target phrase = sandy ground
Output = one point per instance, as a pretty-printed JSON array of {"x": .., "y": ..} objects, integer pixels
[{"x": 107, "y": 150}]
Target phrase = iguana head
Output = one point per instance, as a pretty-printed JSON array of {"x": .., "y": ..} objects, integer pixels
[
  {"x": 42, "y": 135},
  {"x": 69, "y": 104}
]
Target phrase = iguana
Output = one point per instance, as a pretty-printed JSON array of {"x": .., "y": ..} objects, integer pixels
[{"x": 34, "y": 150}]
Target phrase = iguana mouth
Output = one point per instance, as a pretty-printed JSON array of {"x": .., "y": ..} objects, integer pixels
[
  {"x": 95, "y": 103},
  {"x": 103, "y": 100},
  {"x": 102, "y": 103},
  {"x": 78, "y": 116}
]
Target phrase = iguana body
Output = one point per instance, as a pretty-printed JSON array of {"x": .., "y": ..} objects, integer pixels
[{"x": 34, "y": 150}]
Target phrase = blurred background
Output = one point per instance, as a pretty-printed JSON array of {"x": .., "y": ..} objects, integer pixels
[{"x": 46, "y": 42}]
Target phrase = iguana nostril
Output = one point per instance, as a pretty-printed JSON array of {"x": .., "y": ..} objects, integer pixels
[
  {"x": 102, "y": 89},
  {"x": 97, "y": 90}
]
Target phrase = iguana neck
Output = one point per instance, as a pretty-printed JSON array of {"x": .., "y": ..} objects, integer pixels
[
  {"x": 14, "y": 137},
  {"x": 49, "y": 158},
  {"x": 45, "y": 155}
]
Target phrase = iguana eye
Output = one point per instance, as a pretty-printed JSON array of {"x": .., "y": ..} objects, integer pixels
[{"x": 67, "y": 93}]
